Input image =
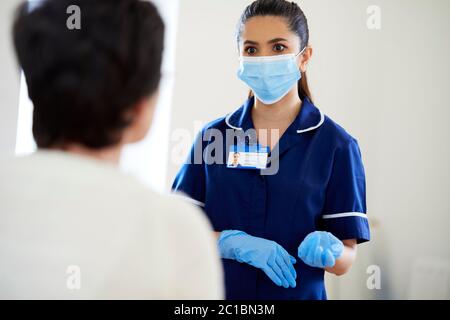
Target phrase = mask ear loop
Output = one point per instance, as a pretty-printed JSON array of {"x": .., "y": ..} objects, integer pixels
[{"x": 301, "y": 52}]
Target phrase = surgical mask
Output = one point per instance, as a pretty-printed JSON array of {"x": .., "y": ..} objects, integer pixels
[{"x": 270, "y": 77}]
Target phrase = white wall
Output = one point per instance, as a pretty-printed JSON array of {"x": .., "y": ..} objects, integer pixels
[
  {"x": 148, "y": 159},
  {"x": 388, "y": 88},
  {"x": 9, "y": 80},
  {"x": 206, "y": 65}
]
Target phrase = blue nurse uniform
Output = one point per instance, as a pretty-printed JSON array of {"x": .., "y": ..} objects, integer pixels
[{"x": 320, "y": 185}]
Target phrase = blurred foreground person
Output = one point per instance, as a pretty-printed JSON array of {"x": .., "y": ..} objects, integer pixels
[{"x": 71, "y": 224}]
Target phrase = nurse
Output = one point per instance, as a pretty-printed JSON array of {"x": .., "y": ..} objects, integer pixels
[{"x": 278, "y": 231}]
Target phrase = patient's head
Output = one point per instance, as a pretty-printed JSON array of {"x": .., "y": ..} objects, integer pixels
[{"x": 95, "y": 86}]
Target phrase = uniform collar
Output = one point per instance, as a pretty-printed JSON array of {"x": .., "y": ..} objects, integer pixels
[{"x": 308, "y": 119}]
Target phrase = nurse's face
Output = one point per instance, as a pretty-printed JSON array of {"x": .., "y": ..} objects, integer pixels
[{"x": 270, "y": 36}]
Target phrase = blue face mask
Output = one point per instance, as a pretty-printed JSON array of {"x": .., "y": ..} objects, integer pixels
[{"x": 270, "y": 77}]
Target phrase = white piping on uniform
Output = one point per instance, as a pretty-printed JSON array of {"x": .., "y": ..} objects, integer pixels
[
  {"x": 345, "y": 214},
  {"x": 193, "y": 201},
  {"x": 322, "y": 119},
  {"x": 183, "y": 196},
  {"x": 227, "y": 120}
]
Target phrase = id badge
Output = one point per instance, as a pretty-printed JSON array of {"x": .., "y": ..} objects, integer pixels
[{"x": 248, "y": 157}]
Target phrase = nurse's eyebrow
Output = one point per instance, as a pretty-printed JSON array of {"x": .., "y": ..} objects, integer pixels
[
  {"x": 251, "y": 42},
  {"x": 277, "y": 40}
]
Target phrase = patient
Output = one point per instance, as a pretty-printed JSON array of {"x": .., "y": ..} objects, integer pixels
[{"x": 71, "y": 224}]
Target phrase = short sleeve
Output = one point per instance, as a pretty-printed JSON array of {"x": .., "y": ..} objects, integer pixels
[
  {"x": 190, "y": 180},
  {"x": 344, "y": 212}
]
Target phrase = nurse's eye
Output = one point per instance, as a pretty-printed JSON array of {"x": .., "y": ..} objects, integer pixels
[
  {"x": 250, "y": 50},
  {"x": 279, "y": 48}
]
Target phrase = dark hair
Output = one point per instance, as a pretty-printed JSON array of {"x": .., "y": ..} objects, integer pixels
[
  {"x": 297, "y": 23},
  {"x": 82, "y": 82}
]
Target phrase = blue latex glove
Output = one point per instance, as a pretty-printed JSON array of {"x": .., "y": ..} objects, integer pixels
[
  {"x": 320, "y": 249},
  {"x": 261, "y": 253}
]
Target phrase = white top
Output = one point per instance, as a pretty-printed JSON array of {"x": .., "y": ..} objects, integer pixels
[{"x": 76, "y": 228}]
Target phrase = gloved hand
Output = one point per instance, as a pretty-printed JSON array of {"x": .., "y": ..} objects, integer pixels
[
  {"x": 320, "y": 249},
  {"x": 261, "y": 253}
]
